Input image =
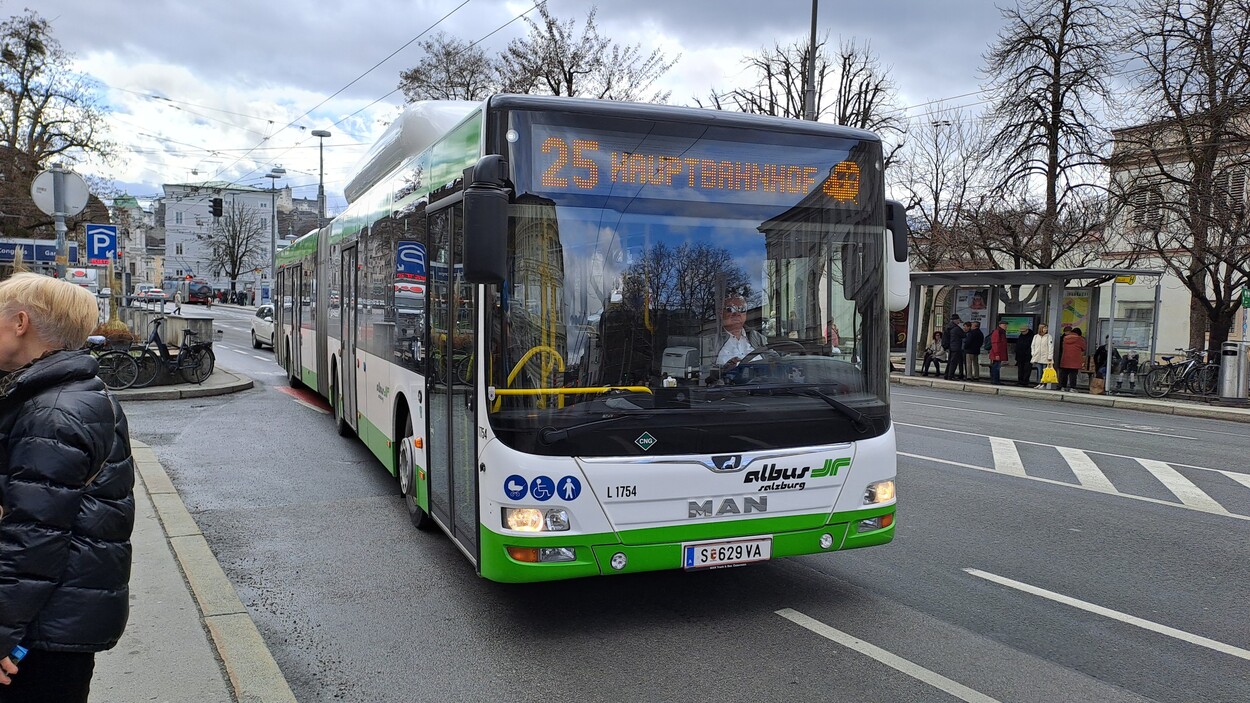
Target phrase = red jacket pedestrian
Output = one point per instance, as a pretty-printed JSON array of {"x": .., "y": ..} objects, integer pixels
[
  {"x": 998, "y": 343},
  {"x": 1073, "y": 347}
]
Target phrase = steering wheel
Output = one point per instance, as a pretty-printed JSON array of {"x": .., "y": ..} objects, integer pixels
[{"x": 772, "y": 348}]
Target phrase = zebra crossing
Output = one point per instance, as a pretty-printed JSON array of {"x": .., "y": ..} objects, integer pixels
[{"x": 1210, "y": 490}]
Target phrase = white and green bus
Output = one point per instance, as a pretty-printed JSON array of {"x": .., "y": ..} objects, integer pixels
[{"x": 594, "y": 337}]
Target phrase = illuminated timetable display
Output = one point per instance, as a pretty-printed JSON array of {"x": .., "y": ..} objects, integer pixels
[{"x": 575, "y": 160}]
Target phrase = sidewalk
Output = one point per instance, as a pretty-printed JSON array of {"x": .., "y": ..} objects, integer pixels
[
  {"x": 179, "y": 598},
  {"x": 189, "y": 638},
  {"x": 1167, "y": 406}
]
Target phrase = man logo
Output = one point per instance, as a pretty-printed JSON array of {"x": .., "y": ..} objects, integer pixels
[
  {"x": 727, "y": 506},
  {"x": 727, "y": 462}
]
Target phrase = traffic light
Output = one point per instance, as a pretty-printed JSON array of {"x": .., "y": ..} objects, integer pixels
[{"x": 215, "y": 205}]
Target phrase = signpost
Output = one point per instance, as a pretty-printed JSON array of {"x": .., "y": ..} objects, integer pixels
[
  {"x": 61, "y": 194},
  {"x": 1245, "y": 298}
]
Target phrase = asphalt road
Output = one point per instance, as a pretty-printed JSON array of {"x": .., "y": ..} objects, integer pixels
[{"x": 1043, "y": 553}]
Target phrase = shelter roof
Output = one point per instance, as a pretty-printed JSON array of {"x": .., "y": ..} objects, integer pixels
[{"x": 1025, "y": 277}]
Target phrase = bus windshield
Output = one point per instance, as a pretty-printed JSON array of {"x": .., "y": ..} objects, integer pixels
[{"x": 681, "y": 288}]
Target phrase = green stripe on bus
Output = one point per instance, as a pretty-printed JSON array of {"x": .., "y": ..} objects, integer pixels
[{"x": 593, "y": 552}]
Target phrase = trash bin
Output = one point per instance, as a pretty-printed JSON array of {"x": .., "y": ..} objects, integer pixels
[{"x": 1234, "y": 370}]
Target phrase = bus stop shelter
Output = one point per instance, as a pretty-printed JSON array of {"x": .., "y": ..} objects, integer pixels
[{"x": 1054, "y": 282}]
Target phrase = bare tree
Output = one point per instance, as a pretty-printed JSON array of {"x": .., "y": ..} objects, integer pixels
[
  {"x": 238, "y": 242},
  {"x": 852, "y": 89},
  {"x": 938, "y": 175},
  {"x": 1187, "y": 164},
  {"x": 45, "y": 110},
  {"x": 553, "y": 58},
  {"x": 451, "y": 69},
  {"x": 1046, "y": 70}
]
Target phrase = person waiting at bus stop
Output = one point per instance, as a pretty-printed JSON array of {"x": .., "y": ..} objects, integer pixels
[
  {"x": 739, "y": 339},
  {"x": 998, "y": 352}
]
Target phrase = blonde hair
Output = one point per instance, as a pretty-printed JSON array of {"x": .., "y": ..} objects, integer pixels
[{"x": 62, "y": 314}]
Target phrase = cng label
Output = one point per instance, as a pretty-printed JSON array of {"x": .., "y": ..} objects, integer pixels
[
  {"x": 831, "y": 467},
  {"x": 646, "y": 441}
]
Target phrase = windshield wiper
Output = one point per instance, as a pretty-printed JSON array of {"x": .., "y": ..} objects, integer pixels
[
  {"x": 550, "y": 435},
  {"x": 861, "y": 422}
]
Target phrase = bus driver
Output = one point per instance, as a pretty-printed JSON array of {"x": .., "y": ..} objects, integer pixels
[{"x": 740, "y": 340}]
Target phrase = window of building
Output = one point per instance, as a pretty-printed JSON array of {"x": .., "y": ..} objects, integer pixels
[
  {"x": 1147, "y": 202},
  {"x": 178, "y": 248},
  {"x": 1229, "y": 192}
]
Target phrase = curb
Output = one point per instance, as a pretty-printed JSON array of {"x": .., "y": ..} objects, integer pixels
[
  {"x": 253, "y": 673},
  {"x": 1210, "y": 412},
  {"x": 230, "y": 383}
]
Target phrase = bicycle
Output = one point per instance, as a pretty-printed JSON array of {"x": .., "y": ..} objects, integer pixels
[
  {"x": 118, "y": 369},
  {"x": 1192, "y": 374},
  {"x": 194, "y": 361}
]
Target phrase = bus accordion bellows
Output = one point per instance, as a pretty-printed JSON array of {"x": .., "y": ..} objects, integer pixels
[{"x": 592, "y": 337}]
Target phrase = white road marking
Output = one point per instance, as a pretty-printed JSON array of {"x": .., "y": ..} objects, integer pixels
[
  {"x": 1114, "y": 614},
  {"x": 1243, "y": 479},
  {"x": 1181, "y": 487},
  {"x": 1121, "y": 428},
  {"x": 890, "y": 659},
  {"x": 240, "y": 351},
  {"x": 1043, "y": 444},
  {"x": 931, "y": 397},
  {"x": 947, "y": 407},
  {"x": 1086, "y": 471},
  {"x": 1067, "y": 413},
  {"x": 1065, "y": 484},
  {"x": 1006, "y": 457}
]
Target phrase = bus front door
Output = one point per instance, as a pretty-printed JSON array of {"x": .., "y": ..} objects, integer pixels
[
  {"x": 347, "y": 317},
  {"x": 450, "y": 384}
]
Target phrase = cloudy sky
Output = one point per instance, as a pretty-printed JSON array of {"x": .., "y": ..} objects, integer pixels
[{"x": 227, "y": 90}]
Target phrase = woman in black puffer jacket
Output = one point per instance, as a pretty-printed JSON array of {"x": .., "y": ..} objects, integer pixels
[{"x": 66, "y": 489}]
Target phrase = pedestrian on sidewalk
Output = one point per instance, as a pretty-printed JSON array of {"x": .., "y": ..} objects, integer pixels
[
  {"x": 66, "y": 495},
  {"x": 178, "y": 302},
  {"x": 1071, "y": 359},
  {"x": 998, "y": 352},
  {"x": 934, "y": 354},
  {"x": 954, "y": 340},
  {"x": 1042, "y": 351},
  {"x": 1024, "y": 356},
  {"x": 973, "y": 339}
]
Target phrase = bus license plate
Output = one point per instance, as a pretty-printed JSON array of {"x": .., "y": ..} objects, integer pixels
[{"x": 711, "y": 555}]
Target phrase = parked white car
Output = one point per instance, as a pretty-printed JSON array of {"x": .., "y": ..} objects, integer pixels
[{"x": 262, "y": 327}]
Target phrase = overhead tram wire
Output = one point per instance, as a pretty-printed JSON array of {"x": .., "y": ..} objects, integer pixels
[
  {"x": 292, "y": 123},
  {"x": 479, "y": 41}
]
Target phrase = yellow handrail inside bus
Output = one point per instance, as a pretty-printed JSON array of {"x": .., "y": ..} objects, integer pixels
[
  {"x": 517, "y": 369},
  {"x": 570, "y": 391}
]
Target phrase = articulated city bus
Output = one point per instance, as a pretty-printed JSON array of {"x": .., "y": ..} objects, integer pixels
[{"x": 592, "y": 337}]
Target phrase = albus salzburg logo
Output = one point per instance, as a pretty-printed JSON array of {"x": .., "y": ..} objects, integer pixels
[{"x": 791, "y": 477}]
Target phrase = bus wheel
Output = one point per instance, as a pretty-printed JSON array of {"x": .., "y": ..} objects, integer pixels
[
  {"x": 336, "y": 400},
  {"x": 406, "y": 470}
]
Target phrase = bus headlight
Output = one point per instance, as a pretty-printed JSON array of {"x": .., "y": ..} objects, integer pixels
[
  {"x": 879, "y": 492},
  {"x": 536, "y": 519}
]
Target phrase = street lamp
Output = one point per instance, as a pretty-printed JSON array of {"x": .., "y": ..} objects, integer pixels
[
  {"x": 321, "y": 135},
  {"x": 274, "y": 174}
]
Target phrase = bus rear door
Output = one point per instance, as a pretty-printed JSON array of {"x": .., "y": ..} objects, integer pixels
[{"x": 347, "y": 316}]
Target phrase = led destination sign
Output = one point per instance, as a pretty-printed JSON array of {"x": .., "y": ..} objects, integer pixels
[{"x": 603, "y": 163}]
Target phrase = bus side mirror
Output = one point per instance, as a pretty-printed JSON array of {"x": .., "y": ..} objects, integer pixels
[
  {"x": 486, "y": 220},
  {"x": 897, "y": 272}
]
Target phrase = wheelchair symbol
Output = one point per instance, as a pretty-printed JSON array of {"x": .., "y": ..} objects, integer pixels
[{"x": 542, "y": 488}]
